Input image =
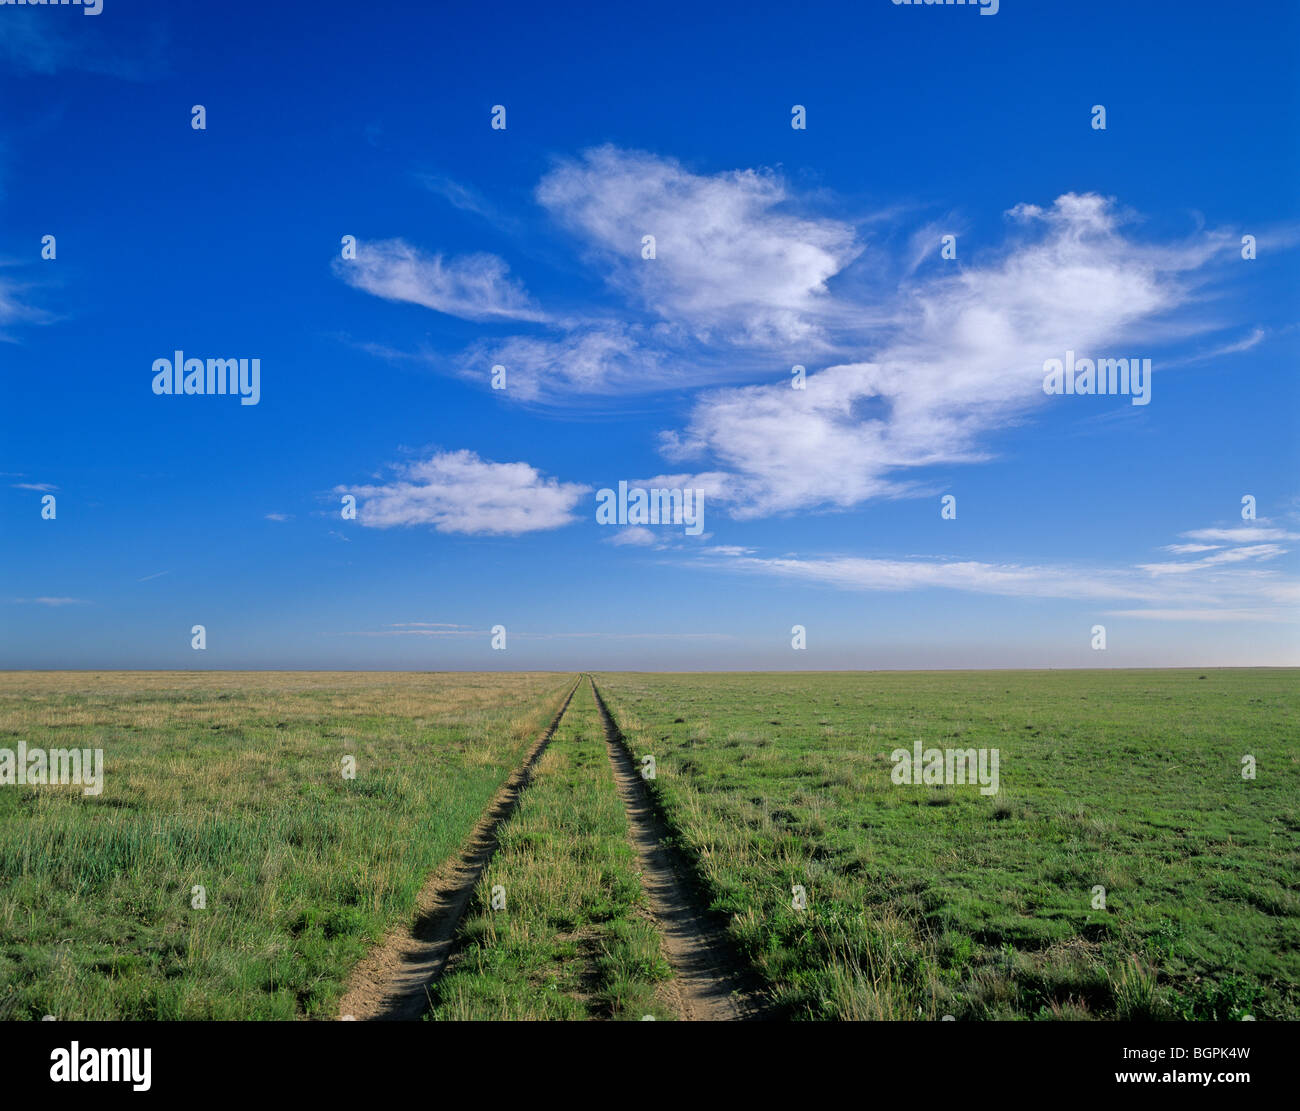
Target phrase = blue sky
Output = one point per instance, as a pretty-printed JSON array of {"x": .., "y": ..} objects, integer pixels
[{"x": 774, "y": 246}]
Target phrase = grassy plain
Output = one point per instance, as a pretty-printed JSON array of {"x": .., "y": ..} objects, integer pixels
[
  {"x": 922, "y": 901},
  {"x": 931, "y": 900},
  {"x": 234, "y": 782}
]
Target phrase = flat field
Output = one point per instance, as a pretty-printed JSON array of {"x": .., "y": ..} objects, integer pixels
[
  {"x": 1124, "y": 868},
  {"x": 234, "y": 782},
  {"x": 923, "y": 901}
]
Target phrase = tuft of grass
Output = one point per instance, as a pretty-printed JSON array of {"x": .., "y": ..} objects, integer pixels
[{"x": 1136, "y": 992}]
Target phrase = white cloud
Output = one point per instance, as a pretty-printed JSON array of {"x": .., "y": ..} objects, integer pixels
[
  {"x": 1009, "y": 580},
  {"x": 14, "y": 309},
  {"x": 464, "y": 632},
  {"x": 741, "y": 287},
  {"x": 602, "y": 359},
  {"x": 634, "y": 536},
  {"x": 475, "y": 287},
  {"x": 458, "y": 195},
  {"x": 926, "y": 372},
  {"x": 730, "y": 262},
  {"x": 1245, "y": 534},
  {"x": 966, "y": 355},
  {"x": 1194, "y": 614},
  {"x": 1254, "y": 339},
  {"x": 420, "y": 631},
  {"x": 1218, "y": 587},
  {"x": 35, "y": 43},
  {"x": 1232, "y": 555},
  {"x": 459, "y": 492}
]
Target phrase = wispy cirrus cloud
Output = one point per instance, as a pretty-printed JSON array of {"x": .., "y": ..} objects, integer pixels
[
  {"x": 460, "y": 196},
  {"x": 1230, "y": 555},
  {"x": 635, "y": 536},
  {"x": 421, "y": 629},
  {"x": 1229, "y": 586},
  {"x": 16, "y": 307},
  {"x": 473, "y": 287},
  {"x": 457, "y": 492},
  {"x": 604, "y": 359},
  {"x": 48, "y": 43},
  {"x": 464, "y": 631},
  {"x": 1242, "y": 534}
]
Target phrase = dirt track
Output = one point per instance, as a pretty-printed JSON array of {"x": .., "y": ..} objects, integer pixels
[
  {"x": 392, "y": 982},
  {"x": 710, "y": 984}
]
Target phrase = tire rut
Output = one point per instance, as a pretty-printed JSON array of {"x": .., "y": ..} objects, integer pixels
[
  {"x": 392, "y": 982},
  {"x": 711, "y": 982}
]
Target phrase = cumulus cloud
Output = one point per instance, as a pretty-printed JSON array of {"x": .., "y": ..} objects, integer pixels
[
  {"x": 457, "y": 492},
  {"x": 474, "y": 287}
]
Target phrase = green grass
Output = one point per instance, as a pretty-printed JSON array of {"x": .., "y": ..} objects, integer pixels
[
  {"x": 575, "y": 940},
  {"x": 234, "y": 782},
  {"x": 922, "y": 901},
  {"x": 926, "y": 901}
]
